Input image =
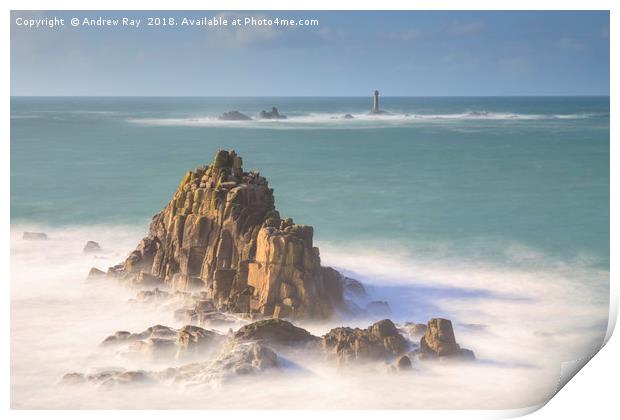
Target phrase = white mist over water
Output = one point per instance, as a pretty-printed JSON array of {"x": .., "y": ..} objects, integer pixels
[{"x": 521, "y": 323}]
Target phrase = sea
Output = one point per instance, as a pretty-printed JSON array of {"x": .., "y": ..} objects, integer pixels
[{"x": 492, "y": 211}]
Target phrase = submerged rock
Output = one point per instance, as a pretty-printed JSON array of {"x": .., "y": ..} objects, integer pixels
[
  {"x": 95, "y": 272},
  {"x": 233, "y": 116},
  {"x": 439, "y": 341},
  {"x": 271, "y": 115},
  {"x": 348, "y": 117},
  {"x": 378, "y": 308},
  {"x": 34, "y": 236},
  {"x": 107, "y": 378},
  {"x": 380, "y": 341},
  {"x": 92, "y": 246},
  {"x": 221, "y": 234}
]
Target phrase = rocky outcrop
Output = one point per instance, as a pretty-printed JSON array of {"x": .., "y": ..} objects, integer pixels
[
  {"x": 160, "y": 341},
  {"x": 380, "y": 341},
  {"x": 92, "y": 246},
  {"x": 275, "y": 332},
  {"x": 234, "y": 360},
  {"x": 233, "y": 116},
  {"x": 222, "y": 234},
  {"x": 271, "y": 115},
  {"x": 439, "y": 341},
  {"x": 34, "y": 236}
]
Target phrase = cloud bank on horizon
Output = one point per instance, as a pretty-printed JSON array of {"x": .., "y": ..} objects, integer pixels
[{"x": 346, "y": 54}]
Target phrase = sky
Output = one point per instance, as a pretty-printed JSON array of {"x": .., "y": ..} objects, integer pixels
[{"x": 347, "y": 54}]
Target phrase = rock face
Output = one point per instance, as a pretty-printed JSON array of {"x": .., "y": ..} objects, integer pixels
[
  {"x": 379, "y": 341},
  {"x": 222, "y": 234},
  {"x": 271, "y": 115},
  {"x": 439, "y": 341},
  {"x": 233, "y": 116}
]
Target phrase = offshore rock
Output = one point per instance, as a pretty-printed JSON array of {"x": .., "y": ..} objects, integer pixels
[
  {"x": 271, "y": 115},
  {"x": 380, "y": 341},
  {"x": 233, "y": 116},
  {"x": 222, "y": 234},
  {"x": 439, "y": 341},
  {"x": 92, "y": 246}
]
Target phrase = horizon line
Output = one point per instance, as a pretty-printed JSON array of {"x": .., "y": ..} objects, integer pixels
[{"x": 315, "y": 96}]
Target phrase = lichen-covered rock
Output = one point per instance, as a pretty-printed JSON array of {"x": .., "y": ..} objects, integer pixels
[
  {"x": 222, "y": 234},
  {"x": 275, "y": 331},
  {"x": 380, "y": 341},
  {"x": 439, "y": 341}
]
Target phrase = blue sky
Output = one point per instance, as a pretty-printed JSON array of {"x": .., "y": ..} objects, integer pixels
[{"x": 347, "y": 54}]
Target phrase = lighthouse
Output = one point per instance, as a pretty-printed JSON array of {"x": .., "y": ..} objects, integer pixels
[{"x": 375, "y": 103}]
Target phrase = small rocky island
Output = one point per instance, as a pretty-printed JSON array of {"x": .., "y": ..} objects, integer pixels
[
  {"x": 271, "y": 115},
  {"x": 220, "y": 255},
  {"x": 234, "y": 116}
]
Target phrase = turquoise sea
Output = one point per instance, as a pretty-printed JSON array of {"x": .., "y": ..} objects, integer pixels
[
  {"x": 461, "y": 177},
  {"x": 490, "y": 212}
]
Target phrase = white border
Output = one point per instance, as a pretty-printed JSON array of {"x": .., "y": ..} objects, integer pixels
[{"x": 593, "y": 394}]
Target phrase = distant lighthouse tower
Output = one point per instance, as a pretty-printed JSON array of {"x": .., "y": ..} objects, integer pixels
[{"x": 375, "y": 103}]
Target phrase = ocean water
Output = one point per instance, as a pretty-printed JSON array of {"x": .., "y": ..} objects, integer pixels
[{"x": 493, "y": 212}]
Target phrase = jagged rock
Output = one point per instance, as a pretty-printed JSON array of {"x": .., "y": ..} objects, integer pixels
[
  {"x": 155, "y": 347},
  {"x": 221, "y": 234},
  {"x": 160, "y": 341},
  {"x": 95, "y": 272},
  {"x": 378, "y": 308},
  {"x": 145, "y": 280},
  {"x": 415, "y": 329},
  {"x": 380, "y": 341},
  {"x": 34, "y": 236},
  {"x": 233, "y": 116},
  {"x": 193, "y": 338},
  {"x": 275, "y": 331},
  {"x": 439, "y": 341},
  {"x": 239, "y": 358},
  {"x": 271, "y": 115},
  {"x": 92, "y": 246},
  {"x": 155, "y": 295},
  {"x": 156, "y": 331}
]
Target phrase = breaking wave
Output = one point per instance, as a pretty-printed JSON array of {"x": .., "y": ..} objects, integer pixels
[{"x": 357, "y": 119}]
